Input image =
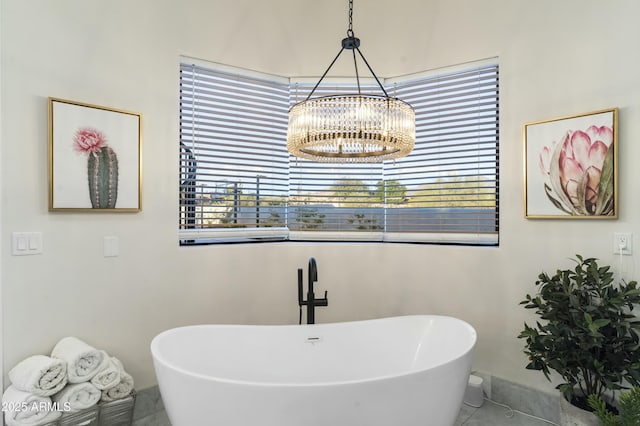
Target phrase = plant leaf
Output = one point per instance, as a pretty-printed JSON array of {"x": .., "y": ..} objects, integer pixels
[
  {"x": 606, "y": 193},
  {"x": 554, "y": 201}
]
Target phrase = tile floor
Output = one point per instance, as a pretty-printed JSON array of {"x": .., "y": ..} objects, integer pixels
[
  {"x": 491, "y": 414},
  {"x": 487, "y": 415}
]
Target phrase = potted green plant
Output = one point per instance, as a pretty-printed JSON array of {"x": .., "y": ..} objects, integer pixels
[
  {"x": 588, "y": 333},
  {"x": 629, "y": 409}
]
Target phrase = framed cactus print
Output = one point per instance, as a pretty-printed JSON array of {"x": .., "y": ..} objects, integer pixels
[
  {"x": 95, "y": 160},
  {"x": 571, "y": 167}
]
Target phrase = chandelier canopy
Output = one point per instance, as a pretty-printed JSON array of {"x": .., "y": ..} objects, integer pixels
[{"x": 352, "y": 127}]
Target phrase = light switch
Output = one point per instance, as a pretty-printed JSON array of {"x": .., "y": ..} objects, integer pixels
[
  {"x": 22, "y": 242},
  {"x": 26, "y": 243},
  {"x": 34, "y": 241}
]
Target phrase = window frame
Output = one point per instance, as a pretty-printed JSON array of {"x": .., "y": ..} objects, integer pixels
[{"x": 196, "y": 236}]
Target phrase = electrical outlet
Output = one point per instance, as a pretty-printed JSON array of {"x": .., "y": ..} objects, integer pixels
[{"x": 623, "y": 243}]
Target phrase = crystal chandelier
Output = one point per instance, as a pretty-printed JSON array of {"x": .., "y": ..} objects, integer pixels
[{"x": 354, "y": 127}]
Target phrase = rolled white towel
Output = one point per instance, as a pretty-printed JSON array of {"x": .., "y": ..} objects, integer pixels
[
  {"x": 26, "y": 409},
  {"x": 82, "y": 360},
  {"x": 40, "y": 375},
  {"x": 108, "y": 375},
  {"x": 77, "y": 396},
  {"x": 123, "y": 389}
]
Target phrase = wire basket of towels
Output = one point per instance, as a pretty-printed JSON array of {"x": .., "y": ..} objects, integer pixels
[
  {"x": 77, "y": 385},
  {"x": 86, "y": 417},
  {"x": 114, "y": 413},
  {"x": 118, "y": 412}
]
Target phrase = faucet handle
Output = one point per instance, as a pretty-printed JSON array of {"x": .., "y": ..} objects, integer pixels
[{"x": 322, "y": 302}]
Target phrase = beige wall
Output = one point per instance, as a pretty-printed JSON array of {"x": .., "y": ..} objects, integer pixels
[{"x": 556, "y": 59}]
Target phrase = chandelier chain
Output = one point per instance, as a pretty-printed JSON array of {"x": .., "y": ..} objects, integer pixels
[{"x": 350, "y": 30}]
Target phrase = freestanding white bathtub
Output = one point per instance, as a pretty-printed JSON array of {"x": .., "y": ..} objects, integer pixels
[{"x": 400, "y": 371}]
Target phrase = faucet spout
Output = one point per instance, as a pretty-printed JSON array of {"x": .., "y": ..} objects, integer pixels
[{"x": 312, "y": 272}]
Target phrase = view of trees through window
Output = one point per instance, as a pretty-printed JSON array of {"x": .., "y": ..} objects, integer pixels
[{"x": 223, "y": 209}]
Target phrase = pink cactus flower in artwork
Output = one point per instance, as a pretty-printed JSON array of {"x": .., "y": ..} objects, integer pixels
[
  {"x": 574, "y": 168},
  {"x": 102, "y": 167},
  {"x": 88, "y": 140}
]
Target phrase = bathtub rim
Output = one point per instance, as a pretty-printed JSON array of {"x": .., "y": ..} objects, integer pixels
[{"x": 158, "y": 358}]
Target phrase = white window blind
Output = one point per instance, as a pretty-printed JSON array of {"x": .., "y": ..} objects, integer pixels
[
  {"x": 239, "y": 183},
  {"x": 451, "y": 178},
  {"x": 234, "y": 167}
]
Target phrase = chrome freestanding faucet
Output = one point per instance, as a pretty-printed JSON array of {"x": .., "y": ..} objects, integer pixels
[{"x": 311, "y": 301}]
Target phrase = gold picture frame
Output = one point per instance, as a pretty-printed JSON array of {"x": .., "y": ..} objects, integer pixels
[
  {"x": 95, "y": 158},
  {"x": 571, "y": 167}
]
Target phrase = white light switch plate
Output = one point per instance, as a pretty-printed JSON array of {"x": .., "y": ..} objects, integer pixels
[{"x": 26, "y": 243}]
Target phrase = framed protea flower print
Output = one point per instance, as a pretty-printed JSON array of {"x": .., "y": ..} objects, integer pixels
[
  {"x": 571, "y": 166},
  {"x": 94, "y": 158}
]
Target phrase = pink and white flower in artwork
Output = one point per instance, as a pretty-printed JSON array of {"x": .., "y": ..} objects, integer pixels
[
  {"x": 578, "y": 171},
  {"x": 88, "y": 140}
]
